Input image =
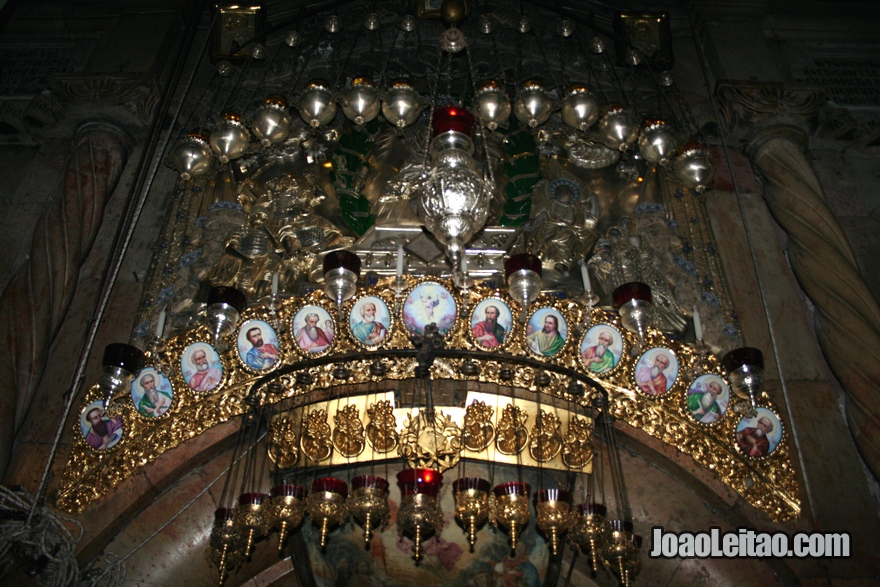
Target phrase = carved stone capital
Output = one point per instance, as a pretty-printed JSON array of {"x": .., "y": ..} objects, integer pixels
[
  {"x": 137, "y": 92},
  {"x": 748, "y": 107}
]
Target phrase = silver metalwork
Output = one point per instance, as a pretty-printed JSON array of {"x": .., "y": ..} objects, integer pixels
[
  {"x": 617, "y": 128},
  {"x": 533, "y": 106},
  {"x": 493, "y": 104},
  {"x": 402, "y": 104},
  {"x": 454, "y": 206},
  {"x": 693, "y": 167},
  {"x": 316, "y": 105},
  {"x": 360, "y": 102},
  {"x": 580, "y": 109},
  {"x": 271, "y": 123},
  {"x": 192, "y": 156},
  {"x": 657, "y": 142},
  {"x": 230, "y": 140},
  {"x": 452, "y": 40},
  {"x": 333, "y": 24}
]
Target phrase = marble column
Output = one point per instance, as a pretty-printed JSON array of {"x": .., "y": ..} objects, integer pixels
[
  {"x": 34, "y": 304},
  {"x": 775, "y": 121}
]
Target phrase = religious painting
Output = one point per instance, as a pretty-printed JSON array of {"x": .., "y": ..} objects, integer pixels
[
  {"x": 759, "y": 436},
  {"x": 429, "y": 303},
  {"x": 707, "y": 398},
  {"x": 601, "y": 349},
  {"x": 151, "y": 393},
  {"x": 370, "y": 321},
  {"x": 257, "y": 344},
  {"x": 491, "y": 323},
  {"x": 313, "y": 330},
  {"x": 656, "y": 371},
  {"x": 546, "y": 332},
  {"x": 201, "y": 367},
  {"x": 100, "y": 430}
]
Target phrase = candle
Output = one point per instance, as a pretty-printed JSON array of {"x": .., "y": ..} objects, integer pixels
[
  {"x": 399, "y": 261},
  {"x": 585, "y": 275},
  {"x": 275, "y": 284},
  {"x": 160, "y": 327},
  {"x": 698, "y": 325}
]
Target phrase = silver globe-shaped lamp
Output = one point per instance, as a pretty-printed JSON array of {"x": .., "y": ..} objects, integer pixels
[
  {"x": 745, "y": 369},
  {"x": 192, "y": 156},
  {"x": 316, "y": 104},
  {"x": 635, "y": 304},
  {"x": 360, "y": 102},
  {"x": 341, "y": 272},
  {"x": 271, "y": 124},
  {"x": 225, "y": 305},
  {"x": 401, "y": 105},
  {"x": 693, "y": 167},
  {"x": 523, "y": 274},
  {"x": 121, "y": 364},
  {"x": 492, "y": 104},
  {"x": 230, "y": 140}
]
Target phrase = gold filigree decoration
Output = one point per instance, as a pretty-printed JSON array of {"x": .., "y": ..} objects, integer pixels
[
  {"x": 577, "y": 449},
  {"x": 546, "y": 438},
  {"x": 478, "y": 429},
  {"x": 430, "y": 442},
  {"x": 348, "y": 434},
  {"x": 315, "y": 441},
  {"x": 382, "y": 428},
  {"x": 769, "y": 483},
  {"x": 512, "y": 434},
  {"x": 282, "y": 442}
]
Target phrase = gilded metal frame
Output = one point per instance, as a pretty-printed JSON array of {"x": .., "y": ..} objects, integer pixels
[{"x": 769, "y": 483}]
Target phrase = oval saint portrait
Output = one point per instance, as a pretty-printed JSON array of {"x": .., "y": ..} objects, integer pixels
[
  {"x": 100, "y": 430},
  {"x": 257, "y": 345},
  {"x": 656, "y": 371},
  {"x": 601, "y": 348},
  {"x": 759, "y": 436},
  {"x": 429, "y": 303},
  {"x": 546, "y": 332},
  {"x": 370, "y": 321},
  {"x": 151, "y": 393},
  {"x": 491, "y": 323},
  {"x": 313, "y": 330},
  {"x": 201, "y": 367},
  {"x": 707, "y": 398}
]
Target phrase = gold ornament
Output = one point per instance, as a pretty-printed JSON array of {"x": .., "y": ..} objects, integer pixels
[
  {"x": 577, "y": 449},
  {"x": 430, "y": 443},
  {"x": 282, "y": 442},
  {"x": 546, "y": 438},
  {"x": 478, "y": 429},
  {"x": 382, "y": 428},
  {"x": 348, "y": 435},
  {"x": 512, "y": 434},
  {"x": 315, "y": 441}
]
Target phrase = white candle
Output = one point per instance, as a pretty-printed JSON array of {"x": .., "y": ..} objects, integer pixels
[
  {"x": 275, "y": 284},
  {"x": 399, "y": 261},
  {"x": 160, "y": 327},
  {"x": 698, "y": 325},
  {"x": 585, "y": 275}
]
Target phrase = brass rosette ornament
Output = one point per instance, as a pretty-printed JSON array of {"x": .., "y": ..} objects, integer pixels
[
  {"x": 368, "y": 503},
  {"x": 511, "y": 508},
  {"x": 589, "y": 531},
  {"x": 224, "y": 543},
  {"x": 553, "y": 512},
  {"x": 326, "y": 504},
  {"x": 471, "y": 505},
  {"x": 251, "y": 518},
  {"x": 419, "y": 514},
  {"x": 286, "y": 508}
]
